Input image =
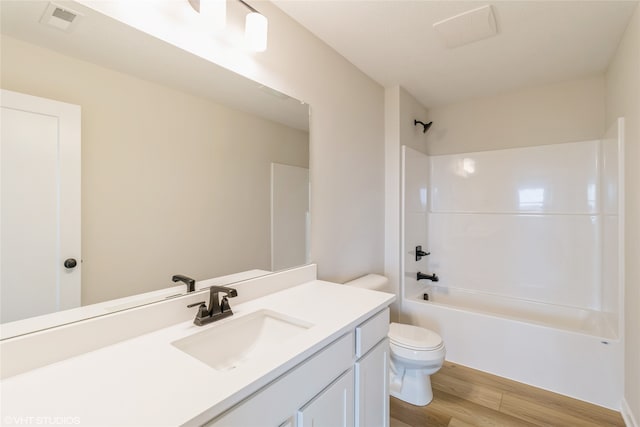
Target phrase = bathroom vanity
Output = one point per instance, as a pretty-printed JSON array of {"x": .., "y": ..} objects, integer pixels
[
  {"x": 313, "y": 353},
  {"x": 327, "y": 389}
]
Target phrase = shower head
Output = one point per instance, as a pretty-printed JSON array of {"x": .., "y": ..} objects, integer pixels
[{"x": 426, "y": 125}]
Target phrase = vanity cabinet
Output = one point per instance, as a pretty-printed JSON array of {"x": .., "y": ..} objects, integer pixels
[{"x": 343, "y": 385}]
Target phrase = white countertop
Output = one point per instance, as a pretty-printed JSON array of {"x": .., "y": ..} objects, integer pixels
[{"x": 146, "y": 381}]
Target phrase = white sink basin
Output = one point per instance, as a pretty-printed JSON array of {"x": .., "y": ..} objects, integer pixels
[{"x": 233, "y": 343}]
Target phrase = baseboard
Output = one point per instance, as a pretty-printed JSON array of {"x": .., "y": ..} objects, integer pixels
[{"x": 627, "y": 415}]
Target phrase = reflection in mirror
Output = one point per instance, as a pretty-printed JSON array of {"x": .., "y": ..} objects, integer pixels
[{"x": 186, "y": 168}]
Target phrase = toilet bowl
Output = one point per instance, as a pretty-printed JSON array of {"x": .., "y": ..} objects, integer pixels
[{"x": 415, "y": 353}]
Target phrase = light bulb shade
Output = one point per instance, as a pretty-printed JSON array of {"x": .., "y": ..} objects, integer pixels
[
  {"x": 255, "y": 32},
  {"x": 213, "y": 14}
]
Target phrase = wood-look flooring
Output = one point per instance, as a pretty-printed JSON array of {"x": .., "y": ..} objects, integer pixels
[{"x": 464, "y": 397}]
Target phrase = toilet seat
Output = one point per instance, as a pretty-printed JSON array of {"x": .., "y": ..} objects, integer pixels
[
  {"x": 418, "y": 358},
  {"x": 414, "y": 337}
]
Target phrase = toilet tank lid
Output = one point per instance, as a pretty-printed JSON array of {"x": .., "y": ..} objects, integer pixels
[{"x": 413, "y": 337}]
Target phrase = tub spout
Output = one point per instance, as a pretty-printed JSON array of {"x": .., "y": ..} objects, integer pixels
[{"x": 433, "y": 277}]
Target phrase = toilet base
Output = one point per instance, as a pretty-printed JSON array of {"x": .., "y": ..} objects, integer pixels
[{"x": 412, "y": 386}]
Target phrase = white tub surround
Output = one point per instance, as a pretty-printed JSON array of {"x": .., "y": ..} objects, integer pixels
[
  {"x": 527, "y": 245},
  {"x": 148, "y": 381},
  {"x": 525, "y": 223}
]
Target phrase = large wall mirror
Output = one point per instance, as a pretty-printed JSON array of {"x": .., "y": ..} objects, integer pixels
[{"x": 185, "y": 168}]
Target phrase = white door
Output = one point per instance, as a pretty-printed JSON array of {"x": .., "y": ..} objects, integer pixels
[
  {"x": 289, "y": 216},
  {"x": 40, "y": 206}
]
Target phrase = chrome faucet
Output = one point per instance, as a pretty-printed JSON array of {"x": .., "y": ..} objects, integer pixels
[
  {"x": 191, "y": 284},
  {"x": 218, "y": 309}
]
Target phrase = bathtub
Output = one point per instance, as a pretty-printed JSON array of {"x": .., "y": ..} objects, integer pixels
[
  {"x": 589, "y": 322},
  {"x": 567, "y": 350}
]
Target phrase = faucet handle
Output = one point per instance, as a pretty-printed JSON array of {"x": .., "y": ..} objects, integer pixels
[
  {"x": 224, "y": 304},
  {"x": 202, "y": 309},
  {"x": 420, "y": 253}
]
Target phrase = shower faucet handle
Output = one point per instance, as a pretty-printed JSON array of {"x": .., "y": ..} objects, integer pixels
[{"x": 420, "y": 253}]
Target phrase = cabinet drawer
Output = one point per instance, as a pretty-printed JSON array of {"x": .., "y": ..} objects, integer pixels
[{"x": 369, "y": 333}]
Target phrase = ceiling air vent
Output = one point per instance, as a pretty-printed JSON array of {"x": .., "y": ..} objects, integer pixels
[
  {"x": 60, "y": 17},
  {"x": 467, "y": 27}
]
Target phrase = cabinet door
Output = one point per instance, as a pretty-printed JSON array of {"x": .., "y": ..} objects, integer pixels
[
  {"x": 333, "y": 407},
  {"x": 372, "y": 387}
]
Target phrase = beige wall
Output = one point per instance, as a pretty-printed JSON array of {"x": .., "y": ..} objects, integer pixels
[
  {"x": 623, "y": 100},
  {"x": 555, "y": 113},
  {"x": 410, "y": 134},
  {"x": 171, "y": 183}
]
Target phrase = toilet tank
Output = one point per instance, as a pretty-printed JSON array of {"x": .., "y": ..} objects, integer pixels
[{"x": 375, "y": 282}]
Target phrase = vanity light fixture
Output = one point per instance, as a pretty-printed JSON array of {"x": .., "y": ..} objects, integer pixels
[
  {"x": 255, "y": 29},
  {"x": 214, "y": 16}
]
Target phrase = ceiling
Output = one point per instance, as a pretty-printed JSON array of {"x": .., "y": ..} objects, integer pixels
[{"x": 538, "y": 42}]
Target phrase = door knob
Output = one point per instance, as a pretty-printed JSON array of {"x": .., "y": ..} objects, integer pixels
[{"x": 70, "y": 263}]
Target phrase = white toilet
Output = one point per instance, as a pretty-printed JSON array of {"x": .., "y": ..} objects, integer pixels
[{"x": 416, "y": 353}]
